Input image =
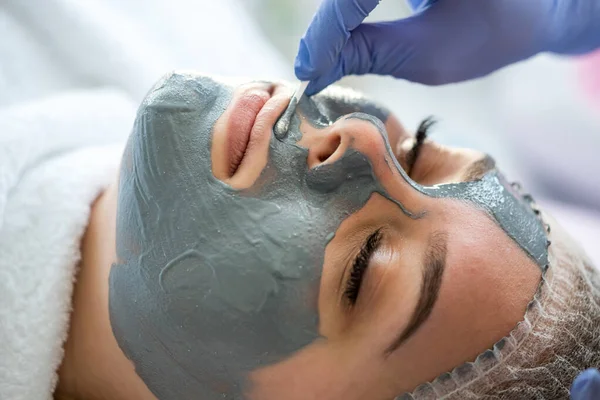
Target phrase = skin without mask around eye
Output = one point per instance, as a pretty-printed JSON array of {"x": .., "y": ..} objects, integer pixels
[{"x": 212, "y": 282}]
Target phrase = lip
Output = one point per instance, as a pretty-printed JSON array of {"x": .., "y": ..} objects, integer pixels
[
  {"x": 242, "y": 134},
  {"x": 246, "y": 108}
]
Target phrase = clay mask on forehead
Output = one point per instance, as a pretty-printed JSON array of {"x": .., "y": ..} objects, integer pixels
[{"x": 212, "y": 283}]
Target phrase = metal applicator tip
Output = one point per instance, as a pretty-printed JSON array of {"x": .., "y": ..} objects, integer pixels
[{"x": 283, "y": 123}]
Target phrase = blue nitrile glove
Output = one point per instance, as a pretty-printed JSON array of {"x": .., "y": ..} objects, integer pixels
[
  {"x": 445, "y": 41},
  {"x": 586, "y": 386}
]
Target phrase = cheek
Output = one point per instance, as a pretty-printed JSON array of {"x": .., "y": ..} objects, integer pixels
[{"x": 322, "y": 370}]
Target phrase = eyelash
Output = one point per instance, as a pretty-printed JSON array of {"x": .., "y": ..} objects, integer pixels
[
  {"x": 360, "y": 265},
  {"x": 422, "y": 132}
]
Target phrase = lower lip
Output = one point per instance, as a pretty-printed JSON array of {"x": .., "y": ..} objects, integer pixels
[{"x": 246, "y": 108}]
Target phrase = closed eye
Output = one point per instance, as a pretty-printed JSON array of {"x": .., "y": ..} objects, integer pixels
[
  {"x": 360, "y": 265},
  {"x": 413, "y": 154}
]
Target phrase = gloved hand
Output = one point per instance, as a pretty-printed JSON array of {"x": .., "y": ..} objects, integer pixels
[
  {"x": 586, "y": 386},
  {"x": 445, "y": 41}
]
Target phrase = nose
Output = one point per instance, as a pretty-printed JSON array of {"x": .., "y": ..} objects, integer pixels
[
  {"x": 367, "y": 136},
  {"x": 327, "y": 145},
  {"x": 326, "y": 149}
]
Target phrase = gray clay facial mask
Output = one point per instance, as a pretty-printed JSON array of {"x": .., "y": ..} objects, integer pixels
[{"x": 211, "y": 282}]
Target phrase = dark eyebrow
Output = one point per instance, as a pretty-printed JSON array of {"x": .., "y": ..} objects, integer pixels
[
  {"x": 479, "y": 168},
  {"x": 435, "y": 263}
]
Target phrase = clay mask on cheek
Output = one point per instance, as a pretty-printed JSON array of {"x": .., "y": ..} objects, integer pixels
[{"x": 212, "y": 283}]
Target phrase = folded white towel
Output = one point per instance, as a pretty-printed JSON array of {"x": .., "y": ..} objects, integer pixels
[{"x": 56, "y": 156}]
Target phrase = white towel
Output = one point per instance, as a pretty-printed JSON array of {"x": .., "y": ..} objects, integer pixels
[{"x": 56, "y": 156}]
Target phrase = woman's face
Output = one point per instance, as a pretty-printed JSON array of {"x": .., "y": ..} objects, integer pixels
[{"x": 307, "y": 267}]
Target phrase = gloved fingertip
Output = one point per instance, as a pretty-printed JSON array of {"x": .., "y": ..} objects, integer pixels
[
  {"x": 312, "y": 88},
  {"x": 302, "y": 65},
  {"x": 317, "y": 85},
  {"x": 302, "y": 74},
  {"x": 586, "y": 385},
  {"x": 305, "y": 68}
]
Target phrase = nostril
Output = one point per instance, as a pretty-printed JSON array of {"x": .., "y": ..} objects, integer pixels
[{"x": 328, "y": 148}]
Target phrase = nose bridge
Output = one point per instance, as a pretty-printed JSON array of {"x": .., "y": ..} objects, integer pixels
[{"x": 397, "y": 185}]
